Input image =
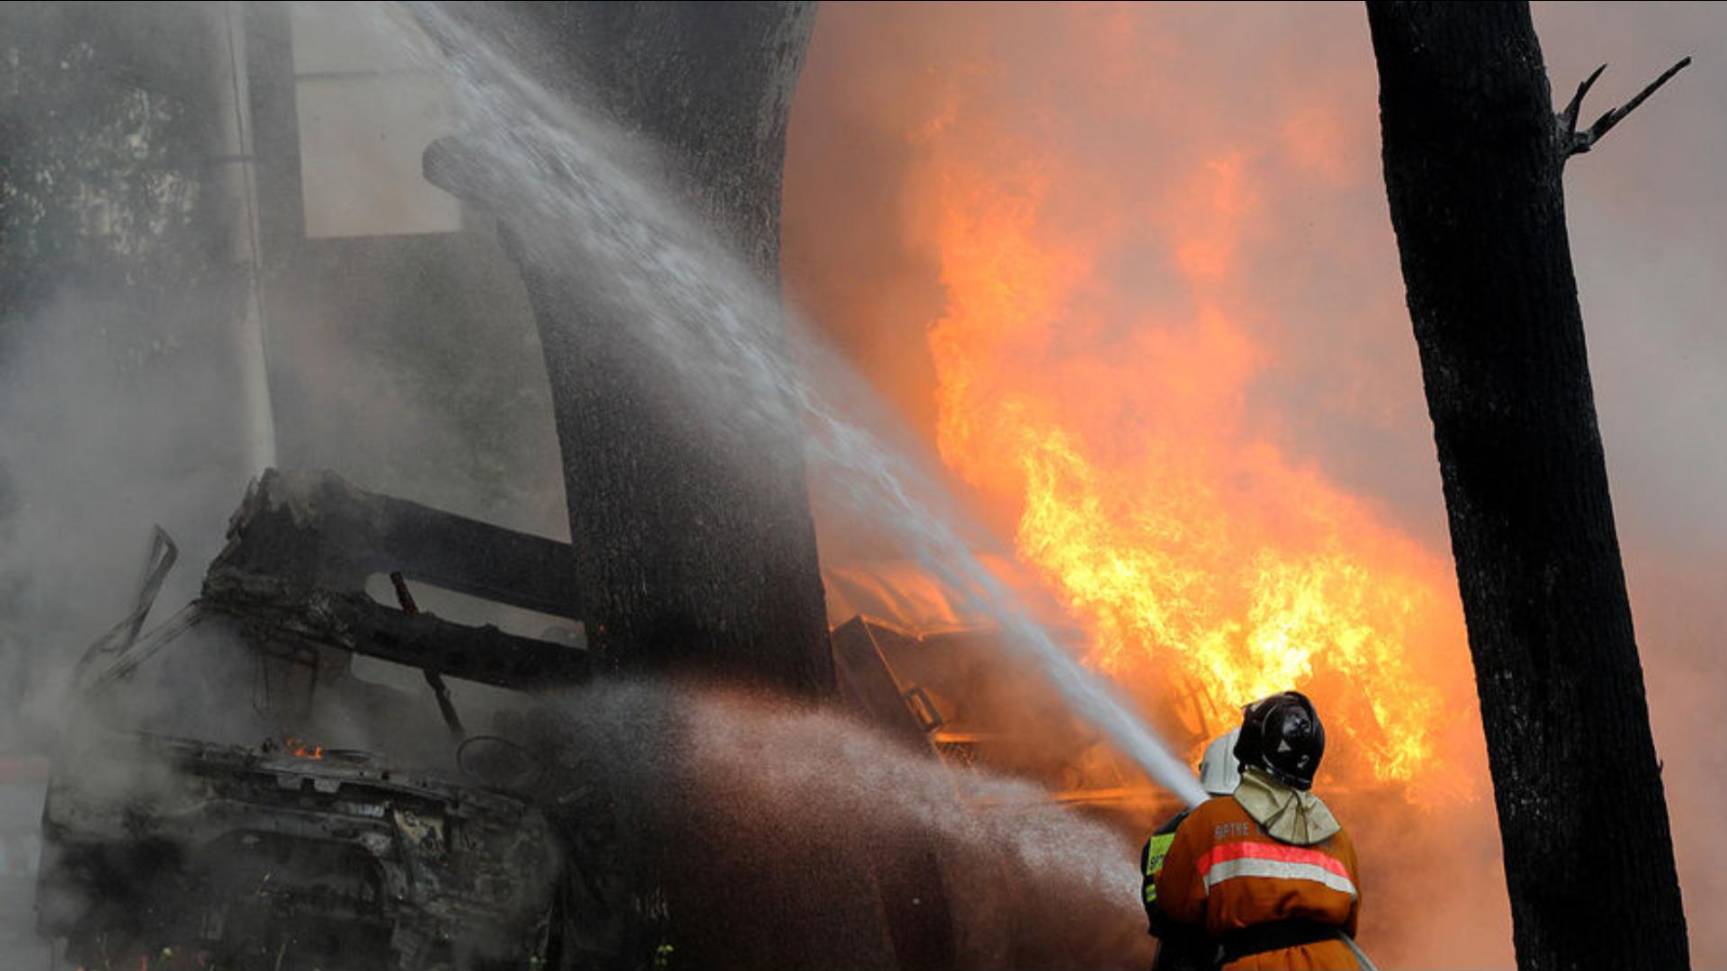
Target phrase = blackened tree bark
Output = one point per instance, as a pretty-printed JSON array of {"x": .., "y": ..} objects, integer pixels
[
  {"x": 693, "y": 556},
  {"x": 1473, "y": 157}
]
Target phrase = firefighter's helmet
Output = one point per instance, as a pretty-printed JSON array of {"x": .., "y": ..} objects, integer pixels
[{"x": 1282, "y": 736}]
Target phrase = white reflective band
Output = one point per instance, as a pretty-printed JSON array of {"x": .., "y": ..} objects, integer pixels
[{"x": 1248, "y": 866}]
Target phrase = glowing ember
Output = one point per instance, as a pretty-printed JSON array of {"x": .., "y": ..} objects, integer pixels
[{"x": 302, "y": 749}]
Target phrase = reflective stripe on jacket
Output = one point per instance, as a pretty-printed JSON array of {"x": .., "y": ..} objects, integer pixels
[
  {"x": 1151, "y": 861},
  {"x": 1224, "y": 873}
]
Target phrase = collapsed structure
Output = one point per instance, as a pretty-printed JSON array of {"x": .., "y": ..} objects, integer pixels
[
  {"x": 279, "y": 777},
  {"x": 258, "y": 804}
]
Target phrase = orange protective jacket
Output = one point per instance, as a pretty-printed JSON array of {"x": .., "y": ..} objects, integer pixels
[{"x": 1226, "y": 874}]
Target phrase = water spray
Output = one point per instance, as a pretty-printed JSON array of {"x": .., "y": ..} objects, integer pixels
[{"x": 558, "y": 167}]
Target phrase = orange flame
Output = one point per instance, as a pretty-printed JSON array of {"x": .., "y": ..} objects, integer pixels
[
  {"x": 302, "y": 749},
  {"x": 1147, "y": 250},
  {"x": 1106, "y": 410}
]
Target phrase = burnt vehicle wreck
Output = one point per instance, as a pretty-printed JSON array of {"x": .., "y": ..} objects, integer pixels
[{"x": 244, "y": 815}]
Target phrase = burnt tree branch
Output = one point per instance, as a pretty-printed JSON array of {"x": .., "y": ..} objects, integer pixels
[{"x": 1574, "y": 142}]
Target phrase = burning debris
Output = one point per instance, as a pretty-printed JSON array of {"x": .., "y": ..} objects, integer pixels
[
  {"x": 166, "y": 850},
  {"x": 951, "y": 692}
]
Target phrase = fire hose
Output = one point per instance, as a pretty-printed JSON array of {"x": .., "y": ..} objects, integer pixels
[{"x": 1361, "y": 957}]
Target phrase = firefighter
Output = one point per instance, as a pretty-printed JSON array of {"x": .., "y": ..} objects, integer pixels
[
  {"x": 1179, "y": 947},
  {"x": 1267, "y": 874}
]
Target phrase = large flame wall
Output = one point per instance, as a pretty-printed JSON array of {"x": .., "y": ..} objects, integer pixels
[
  {"x": 1128, "y": 269},
  {"x": 1116, "y": 301}
]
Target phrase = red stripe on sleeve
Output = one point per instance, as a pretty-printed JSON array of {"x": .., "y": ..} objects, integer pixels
[{"x": 1270, "y": 851}]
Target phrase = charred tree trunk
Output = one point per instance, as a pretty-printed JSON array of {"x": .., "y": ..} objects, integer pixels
[
  {"x": 1473, "y": 162},
  {"x": 694, "y": 556}
]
